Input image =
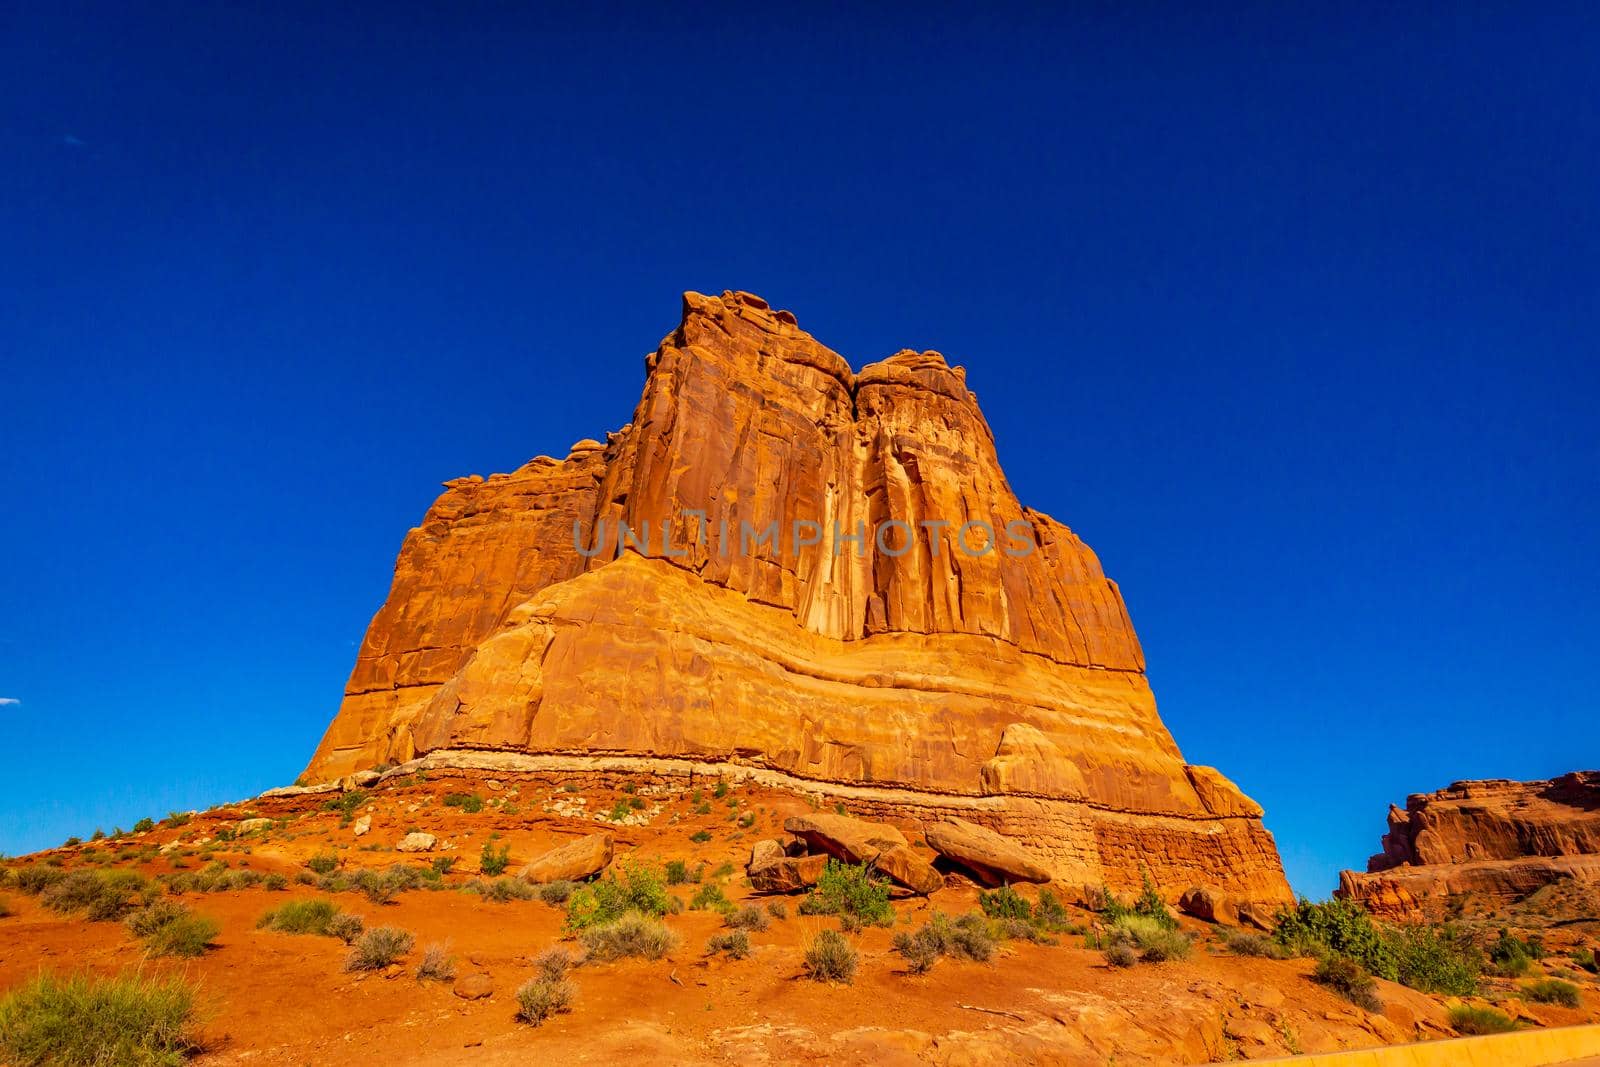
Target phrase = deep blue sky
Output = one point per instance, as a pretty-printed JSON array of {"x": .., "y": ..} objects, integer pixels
[{"x": 1293, "y": 318}]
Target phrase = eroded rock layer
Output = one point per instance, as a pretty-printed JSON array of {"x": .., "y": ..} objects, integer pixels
[
  {"x": 1008, "y": 681},
  {"x": 1498, "y": 839}
]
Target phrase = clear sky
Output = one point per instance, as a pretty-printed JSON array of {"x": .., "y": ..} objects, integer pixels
[{"x": 1292, "y": 318}]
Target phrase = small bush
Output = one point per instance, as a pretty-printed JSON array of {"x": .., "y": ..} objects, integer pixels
[
  {"x": 553, "y": 963},
  {"x": 631, "y": 935},
  {"x": 102, "y": 896},
  {"x": 778, "y": 910},
  {"x": 710, "y": 897},
  {"x": 378, "y": 948},
  {"x": 1350, "y": 980},
  {"x": 634, "y": 888},
  {"x": 1246, "y": 943},
  {"x": 556, "y": 892},
  {"x": 275, "y": 883},
  {"x": 830, "y": 958},
  {"x": 721, "y": 789},
  {"x": 850, "y": 889},
  {"x": 748, "y": 917},
  {"x": 677, "y": 872},
  {"x": 1553, "y": 991},
  {"x": 1156, "y": 943},
  {"x": 1004, "y": 903},
  {"x": 323, "y": 862},
  {"x": 300, "y": 917},
  {"x": 1585, "y": 958},
  {"x": 37, "y": 878},
  {"x": 1050, "y": 914},
  {"x": 72, "y": 842},
  {"x": 471, "y": 803},
  {"x": 1121, "y": 955},
  {"x": 90, "y": 1022},
  {"x": 1435, "y": 959},
  {"x": 734, "y": 944},
  {"x": 1336, "y": 927},
  {"x": 1469, "y": 1019},
  {"x": 540, "y": 998},
  {"x": 700, "y": 837},
  {"x": 437, "y": 964},
  {"x": 493, "y": 862},
  {"x": 346, "y": 927},
  {"x": 170, "y": 929},
  {"x": 144, "y": 826},
  {"x": 965, "y": 938},
  {"x": 619, "y": 811},
  {"x": 443, "y": 865}
]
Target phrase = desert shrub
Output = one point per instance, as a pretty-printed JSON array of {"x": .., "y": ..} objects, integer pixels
[
  {"x": 443, "y": 865},
  {"x": 300, "y": 917},
  {"x": 710, "y": 897},
  {"x": 700, "y": 837},
  {"x": 492, "y": 861},
  {"x": 1350, "y": 980},
  {"x": 735, "y": 944},
  {"x": 1339, "y": 927},
  {"x": 1512, "y": 957},
  {"x": 102, "y": 896},
  {"x": 97, "y": 1022},
  {"x": 378, "y": 948},
  {"x": 634, "y": 888},
  {"x": 1553, "y": 991},
  {"x": 1121, "y": 955},
  {"x": 1249, "y": 943},
  {"x": 1436, "y": 960},
  {"x": 72, "y": 842},
  {"x": 556, "y": 892},
  {"x": 1585, "y": 958},
  {"x": 632, "y": 934},
  {"x": 144, "y": 825},
  {"x": 323, "y": 862},
  {"x": 37, "y": 878},
  {"x": 830, "y": 958},
  {"x": 967, "y": 937},
  {"x": 721, "y": 789},
  {"x": 346, "y": 927},
  {"x": 437, "y": 964},
  {"x": 553, "y": 963},
  {"x": 850, "y": 889},
  {"x": 1004, "y": 903},
  {"x": 540, "y": 998},
  {"x": 677, "y": 872},
  {"x": 170, "y": 929},
  {"x": 1156, "y": 943},
  {"x": 619, "y": 811},
  {"x": 275, "y": 883},
  {"x": 1470, "y": 1019},
  {"x": 723, "y": 870},
  {"x": 471, "y": 803},
  {"x": 778, "y": 910},
  {"x": 177, "y": 818},
  {"x": 748, "y": 917},
  {"x": 1051, "y": 914}
]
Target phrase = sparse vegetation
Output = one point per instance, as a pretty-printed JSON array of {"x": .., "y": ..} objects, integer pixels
[
  {"x": 101, "y": 896},
  {"x": 96, "y": 1022},
  {"x": 748, "y": 917},
  {"x": 633, "y": 934},
  {"x": 966, "y": 938},
  {"x": 346, "y": 927},
  {"x": 144, "y": 825},
  {"x": 1004, "y": 903},
  {"x": 37, "y": 878},
  {"x": 437, "y": 964},
  {"x": 323, "y": 862},
  {"x": 378, "y": 948},
  {"x": 700, "y": 837},
  {"x": 492, "y": 861},
  {"x": 830, "y": 958},
  {"x": 1155, "y": 942},
  {"x": 1249, "y": 943},
  {"x": 556, "y": 892},
  {"x": 540, "y": 998},
  {"x": 443, "y": 865},
  {"x": 311, "y": 916},
  {"x": 1434, "y": 959},
  {"x": 169, "y": 929},
  {"x": 710, "y": 897},
  {"x": 634, "y": 888},
  {"x": 778, "y": 910},
  {"x": 735, "y": 944},
  {"x": 680, "y": 873},
  {"x": 553, "y": 963},
  {"x": 850, "y": 889},
  {"x": 1553, "y": 991},
  {"x": 1350, "y": 980},
  {"x": 1471, "y": 1019},
  {"x": 1121, "y": 955},
  {"x": 471, "y": 803}
]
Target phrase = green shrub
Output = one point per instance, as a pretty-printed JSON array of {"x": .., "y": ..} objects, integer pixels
[
  {"x": 634, "y": 888},
  {"x": 503, "y": 890},
  {"x": 619, "y": 811},
  {"x": 346, "y": 927},
  {"x": 1051, "y": 914},
  {"x": 850, "y": 889},
  {"x": 1436, "y": 960},
  {"x": 37, "y": 878},
  {"x": 323, "y": 862},
  {"x": 710, "y": 897},
  {"x": 1512, "y": 957},
  {"x": 1553, "y": 991},
  {"x": 170, "y": 929},
  {"x": 633, "y": 934},
  {"x": 443, "y": 865},
  {"x": 471, "y": 803},
  {"x": 102, "y": 896},
  {"x": 1121, "y": 955},
  {"x": 556, "y": 892},
  {"x": 778, "y": 910},
  {"x": 700, "y": 837},
  {"x": 540, "y": 998},
  {"x": 144, "y": 825},
  {"x": 177, "y": 818},
  {"x": 1156, "y": 942},
  {"x": 1004, "y": 903},
  {"x": 1350, "y": 980},
  {"x": 677, "y": 872},
  {"x": 553, "y": 963},
  {"x": 300, "y": 917},
  {"x": 1470, "y": 1019},
  {"x": 1585, "y": 958},
  {"x": 437, "y": 964},
  {"x": 275, "y": 883},
  {"x": 378, "y": 948},
  {"x": 493, "y": 862},
  {"x": 830, "y": 958},
  {"x": 721, "y": 789},
  {"x": 734, "y": 944},
  {"x": 1249, "y": 943},
  {"x": 97, "y": 1022},
  {"x": 748, "y": 917},
  {"x": 1337, "y": 927},
  {"x": 72, "y": 842},
  {"x": 967, "y": 938}
]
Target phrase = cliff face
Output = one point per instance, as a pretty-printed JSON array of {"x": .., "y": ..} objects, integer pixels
[
  {"x": 915, "y": 672},
  {"x": 1499, "y": 839}
]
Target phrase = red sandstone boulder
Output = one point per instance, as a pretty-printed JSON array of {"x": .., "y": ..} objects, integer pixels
[
  {"x": 788, "y": 875},
  {"x": 572, "y": 862},
  {"x": 859, "y": 841},
  {"x": 991, "y": 857}
]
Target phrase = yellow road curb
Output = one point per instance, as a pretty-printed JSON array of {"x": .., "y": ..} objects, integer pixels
[{"x": 1525, "y": 1048}]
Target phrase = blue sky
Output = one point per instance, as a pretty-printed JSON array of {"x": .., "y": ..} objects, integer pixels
[{"x": 1291, "y": 316}]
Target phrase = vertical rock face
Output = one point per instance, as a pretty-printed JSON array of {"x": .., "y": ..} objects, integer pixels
[
  {"x": 823, "y": 575},
  {"x": 1499, "y": 839}
]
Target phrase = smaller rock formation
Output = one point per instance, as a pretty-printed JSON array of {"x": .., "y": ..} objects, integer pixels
[
  {"x": 1497, "y": 839},
  {"x": 1212, "y": 905},
  {"x": 416, "y": 842},
  {"x": 572, "y": 862},
  {"x": 845, "y": 839},
  {"x": 991, "y": 858}
]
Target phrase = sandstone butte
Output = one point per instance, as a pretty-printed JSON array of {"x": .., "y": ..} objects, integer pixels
[
  {"x": 1498, "y": 840},
  {"x": 1005, "y": 690}
]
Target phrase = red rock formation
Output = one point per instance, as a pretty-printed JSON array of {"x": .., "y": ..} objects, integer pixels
[
  {"x": 907, "y": 674},
  {"x": 1499, "y": 839}
]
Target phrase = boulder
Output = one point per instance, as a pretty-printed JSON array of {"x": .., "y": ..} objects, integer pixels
[
  {"x": 572, "y": 862},
  {"x": 993, "y": 858},
  {"x": 474, "y": 985},
  {"x": 250, "y": 826},
  {"x": 789, "y": 874},
  {"x": 763, "y": 853},
  {"x": 362, "y": 826},
  {"x": 416, "y": 842},
  {"x": 844, "y": 838},
  {"x": 1208, "y": 904},
  {"x": 906, "y": 868}
]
